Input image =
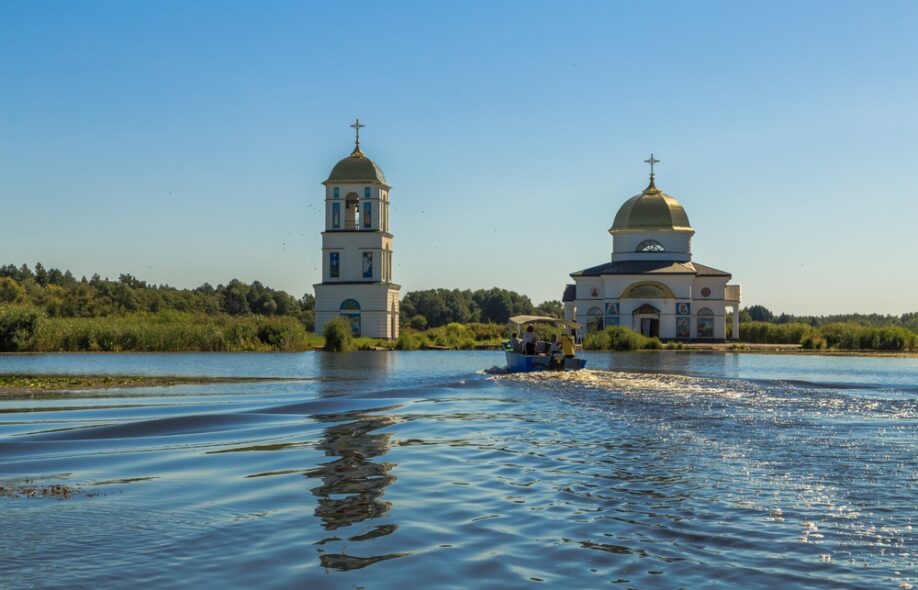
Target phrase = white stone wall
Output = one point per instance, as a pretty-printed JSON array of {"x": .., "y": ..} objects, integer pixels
[
  {"x": 677, "y": 245},
  {"x": 686, "y": 288},
  {"x": 378, "y": 306},
  {"x": 350, "y": 246}
]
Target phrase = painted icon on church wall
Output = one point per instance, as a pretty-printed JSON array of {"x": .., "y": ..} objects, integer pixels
[
  {"x": 336, "y": 215},
  {"x": 334, "y": 266},
  {"x": 612, "y": 320},
  {"x": 683, "y": 328},
  {"x": 611, "y": 308},
  {"x": 367, "y": 215},
  {"x": 683, "y": 309},
  {"x": 368, "y": 265}
]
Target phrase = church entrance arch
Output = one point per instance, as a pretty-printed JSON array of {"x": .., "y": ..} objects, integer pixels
[
  {"x": 646, "y": 320},
  {"x": 350, "y": 310}
]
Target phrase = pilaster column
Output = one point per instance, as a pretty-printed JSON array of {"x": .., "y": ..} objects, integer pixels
[{"x": 736, "y": 321}]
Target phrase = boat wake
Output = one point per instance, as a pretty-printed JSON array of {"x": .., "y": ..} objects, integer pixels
[{"x": 632, "y": 382}]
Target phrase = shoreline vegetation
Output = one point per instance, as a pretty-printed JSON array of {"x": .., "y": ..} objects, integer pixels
[
  {"x": 47, "y": 385},
  {"x": 47, "y": 310}
]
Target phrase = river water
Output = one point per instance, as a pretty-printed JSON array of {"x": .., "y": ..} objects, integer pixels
[{"x": 421, "y": 470}]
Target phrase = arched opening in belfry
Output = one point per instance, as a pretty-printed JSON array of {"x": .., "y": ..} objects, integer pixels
[{"x": 351, "y": 211}]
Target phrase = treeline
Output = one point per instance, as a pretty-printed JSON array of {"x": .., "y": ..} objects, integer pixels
[
  {"x": 46, "y": 309},
  {"x": 433, "y": 308},
  {"x": 59, "y": 294},
  {"x": 760, "y": 313},
  {"x": 833, "y": 332}
]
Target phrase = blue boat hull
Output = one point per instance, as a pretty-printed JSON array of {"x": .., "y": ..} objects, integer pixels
[{"x": 521, "y": 363}]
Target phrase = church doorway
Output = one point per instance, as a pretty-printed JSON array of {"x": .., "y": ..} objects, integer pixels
[
  {"x": 594, "y": 320},
  {"x": 350, "y": 310},
  {"x": 647, "y": 320},
  {"x": 650, "y": 327}
]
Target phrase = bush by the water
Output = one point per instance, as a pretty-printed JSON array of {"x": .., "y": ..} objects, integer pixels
[
  {"x": 620, "y": 338},
  {"x": 19, "y": 325},
  {"x": 835, "y": 336},
  {"x": 338, "y": 336},
  {"x": 24, "y": 328},
  {"x": 768, "y": 333},
  {"x": 454, "y": 335},
  {"x": 850, "y": 336}
]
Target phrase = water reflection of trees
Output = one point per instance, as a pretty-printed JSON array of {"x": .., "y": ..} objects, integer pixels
[{"x": 353, "y": 484}]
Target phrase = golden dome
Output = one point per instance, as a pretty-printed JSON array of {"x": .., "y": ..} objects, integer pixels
[
  {"x": 357, "y": 168},
  {"x": 651, "y": 210}
]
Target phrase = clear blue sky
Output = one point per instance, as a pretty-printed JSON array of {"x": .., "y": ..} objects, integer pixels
[{"x": 185, "y": 142}]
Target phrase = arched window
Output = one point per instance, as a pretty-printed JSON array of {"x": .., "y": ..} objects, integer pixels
[
  {"x": 594, "y": 319},
  {"x": 350, "y": 305},
  {"x": 650, "y": 246},
  {"x": 648, "y": 291},
  {"x": 351, "y": 209},
  {"x": 705, "y": 323}
]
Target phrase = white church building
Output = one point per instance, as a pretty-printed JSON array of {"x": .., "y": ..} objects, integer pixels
[
  {"x": 357, "y": 249},
  {"x": 652, "y": 285}
]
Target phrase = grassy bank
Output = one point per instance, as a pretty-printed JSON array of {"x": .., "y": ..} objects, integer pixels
[
  {"x": 841, "y": 336},
  {"x": 39, "y": 384},
  {"x": 26, "y": 329}
]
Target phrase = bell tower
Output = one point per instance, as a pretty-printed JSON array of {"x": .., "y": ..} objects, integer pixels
[{"x": 357, "y": 249}]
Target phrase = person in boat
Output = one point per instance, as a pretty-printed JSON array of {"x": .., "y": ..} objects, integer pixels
[
  {"x": 516, "y": 345},
  {"x": 529, "y": 340},
  {"x": 555, "y": 346},
  {"x": 567, "y": 345}
]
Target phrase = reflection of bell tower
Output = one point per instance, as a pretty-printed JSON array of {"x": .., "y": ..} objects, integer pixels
[
  {"x": 357, "y": 249},
  {"x": 352, "y": 485}
]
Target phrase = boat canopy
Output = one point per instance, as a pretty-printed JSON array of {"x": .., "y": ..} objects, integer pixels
[{"x": 521, "y": 320}]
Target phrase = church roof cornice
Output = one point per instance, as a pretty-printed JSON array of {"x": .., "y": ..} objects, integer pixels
[{"x": 650, "y": 267}]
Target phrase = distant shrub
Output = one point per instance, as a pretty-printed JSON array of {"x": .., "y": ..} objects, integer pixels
[
  {"x": 338, "y": 337},
  {"x": 19, "y": 325},
  {"x": 813, "y": 341},
  {"x": 452, "y": 335},
  {"x": 620, "y": 338},
  {"x": 281, "y": 332},
  {"x": 893, "y": 338},
  {"x": 489, "y": 331},
  {"x": 411, "y": 341},
  {"x": 849, "y": 336},
  {"x": 418, "y": 322},
  {"x": 768, "y": 333},
  {"x": 845, "y": 336}
]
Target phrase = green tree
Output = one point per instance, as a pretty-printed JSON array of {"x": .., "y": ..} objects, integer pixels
[
  {"x": 18, "y": 326},
  {"x": 11, "y": 291},
  {"x": 233, "y": 298},
  {"x": 552, "y": 309},
  {"x": 760, "y": 313}
]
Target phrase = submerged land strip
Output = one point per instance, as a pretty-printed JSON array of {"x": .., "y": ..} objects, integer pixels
[{"x": 13, "y": 385}]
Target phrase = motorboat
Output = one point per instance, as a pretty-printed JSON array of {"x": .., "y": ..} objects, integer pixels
[{"x": 542, "y": 360}]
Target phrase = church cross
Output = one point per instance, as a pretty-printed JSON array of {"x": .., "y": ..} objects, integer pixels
[
  {"x": 357, "y": 127},
  {"x": 651, "y": 161}
]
